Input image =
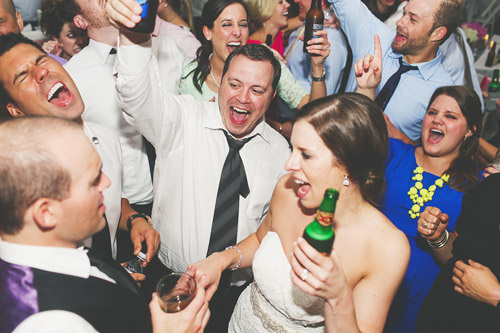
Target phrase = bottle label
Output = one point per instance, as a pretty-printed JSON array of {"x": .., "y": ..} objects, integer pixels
[
  {"x": 324, "y": 218},
  {"x": 316, "y": 27},
  {"x": 144, "y": 4}
]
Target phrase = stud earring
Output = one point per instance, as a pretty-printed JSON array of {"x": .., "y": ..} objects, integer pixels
[{"x": 345, "y": 182}]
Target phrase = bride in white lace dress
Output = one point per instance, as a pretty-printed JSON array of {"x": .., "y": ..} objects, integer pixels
[{"x": 338, "y": 142}]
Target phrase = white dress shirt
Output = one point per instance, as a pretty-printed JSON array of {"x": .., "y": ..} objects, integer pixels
[
  {"x": 61, "y": 260},
  {"x": 92, "y": 71},
  {"x": 107, "y": 145},
  {"x": 191, "y": 149}
]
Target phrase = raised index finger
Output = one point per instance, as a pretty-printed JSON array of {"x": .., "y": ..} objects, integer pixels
[{"x": 378, "y": 48}]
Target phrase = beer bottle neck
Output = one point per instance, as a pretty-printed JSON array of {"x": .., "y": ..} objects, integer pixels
[{"x": 316, "y": 4}]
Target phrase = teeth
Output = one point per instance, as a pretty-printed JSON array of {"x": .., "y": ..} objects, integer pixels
[
  {"x": 436, "y": 131},
  {"x": 240, "y": 110},
  {"x": 299, "y": 182},
  {"x": 54, "y": 90},
  {"x": 235, "y": 44}
]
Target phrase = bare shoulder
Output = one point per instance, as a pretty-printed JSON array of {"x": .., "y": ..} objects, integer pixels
[
  {"x": 389, "y": 244},
  {"x": 284, "y": 190}
]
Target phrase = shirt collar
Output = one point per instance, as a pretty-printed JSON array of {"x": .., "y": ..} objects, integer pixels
[
  {"x": 426, "y": 69},
  {"x": 101, "y": 50},
  {"x": 60, "y": 260},
  {"x": 213, "y": 121}
]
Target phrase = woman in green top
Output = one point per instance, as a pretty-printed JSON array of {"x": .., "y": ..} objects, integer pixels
[{"x": 225, "y": 27}]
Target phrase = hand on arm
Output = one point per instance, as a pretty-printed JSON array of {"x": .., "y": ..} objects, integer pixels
[
  {"x": 477, "y": 282},
  {"x": 193, "y": 318},
  {"x": 140, "y": 231},
  {"x": 369, "y": 71}
]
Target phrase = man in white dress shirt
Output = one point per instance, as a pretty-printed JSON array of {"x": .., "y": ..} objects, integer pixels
[
  {"x": 191, "y": 145},
  {"x": 31, "y": 84}
]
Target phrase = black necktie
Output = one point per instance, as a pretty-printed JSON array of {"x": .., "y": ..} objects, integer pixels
[
  {"x": 113, "y": 270},
  {"x": 101, "y": 242},
  {"x": 387, "y": 91},
  {"x": 233, "y": 183}
]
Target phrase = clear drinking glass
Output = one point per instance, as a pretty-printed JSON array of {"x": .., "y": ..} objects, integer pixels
[{"x": 176, "y": 291}]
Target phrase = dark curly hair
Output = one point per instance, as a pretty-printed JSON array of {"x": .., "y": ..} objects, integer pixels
[
  {"x": 352, "y": 126},
  {"x": 55, "y": 13}
]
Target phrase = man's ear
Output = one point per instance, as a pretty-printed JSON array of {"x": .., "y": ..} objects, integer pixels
[
  {"x": 19, "y": 21},
  {"x": 438, "y": 34},
  {"x": 14, "y": 110},
  {"x": 42, "y": 213},
  {"x": 80, "y": 22}
]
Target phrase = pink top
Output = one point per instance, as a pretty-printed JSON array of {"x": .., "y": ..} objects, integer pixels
[{"x": 277, "y": 45}]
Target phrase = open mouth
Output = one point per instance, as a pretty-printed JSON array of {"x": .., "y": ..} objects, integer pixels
[
  {"x": 232, "y": 45},
  {"x": 435, "y": 136},
  {"x": 238, "y": 116},
  {"x": 59, "y": 95},
  {"x": 285, "y": 14},
  {"x": 400, "y": 37},
  {"x": 303, "y": 189}
]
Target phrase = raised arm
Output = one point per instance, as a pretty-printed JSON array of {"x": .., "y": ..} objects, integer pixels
[{"x": 320, "y": 47}]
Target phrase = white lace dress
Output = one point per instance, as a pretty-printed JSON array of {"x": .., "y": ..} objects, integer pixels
[{"x": 272, "y": 302}]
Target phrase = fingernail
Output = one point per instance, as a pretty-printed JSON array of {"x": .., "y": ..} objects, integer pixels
[{"x": 294, "y": 244}]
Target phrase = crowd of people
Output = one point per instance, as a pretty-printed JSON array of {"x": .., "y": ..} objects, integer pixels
[{"x": 211, "y": 155}]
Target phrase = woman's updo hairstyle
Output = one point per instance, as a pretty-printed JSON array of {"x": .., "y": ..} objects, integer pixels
[{"x": 352, "y": 126}]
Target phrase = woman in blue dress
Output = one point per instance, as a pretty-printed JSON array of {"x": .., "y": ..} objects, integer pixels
[{"x": 434, "y": 173}]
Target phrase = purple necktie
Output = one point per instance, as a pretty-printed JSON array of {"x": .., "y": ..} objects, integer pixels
[{"x": 19, "y": 298}]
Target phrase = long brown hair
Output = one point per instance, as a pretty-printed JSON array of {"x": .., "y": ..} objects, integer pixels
[{"x": 464, "y": 169}]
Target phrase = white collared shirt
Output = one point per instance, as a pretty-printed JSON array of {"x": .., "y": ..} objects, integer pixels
[
  {"x": 62, "y": 260},
  {"x": 108, "y": 147},
  {"x": 191, "y": 149}
]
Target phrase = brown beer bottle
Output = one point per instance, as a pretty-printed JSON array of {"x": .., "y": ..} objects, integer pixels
[
  {"x": 319, "y": 233},
  {"x": 148, "y": 16},
  {"x": 314, "y": 22}
]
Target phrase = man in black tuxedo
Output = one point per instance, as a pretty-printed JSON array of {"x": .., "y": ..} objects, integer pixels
[{"x": 51, "y": 200}]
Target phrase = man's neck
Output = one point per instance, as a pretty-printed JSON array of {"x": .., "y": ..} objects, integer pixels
[
  {"x": 107, "y": 35},
  {"x": 425, "y": 55}
]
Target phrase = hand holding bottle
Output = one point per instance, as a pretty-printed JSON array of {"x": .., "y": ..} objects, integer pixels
[{"x": 317, "y": 274}]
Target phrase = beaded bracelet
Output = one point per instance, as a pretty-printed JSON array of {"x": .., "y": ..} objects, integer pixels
[
  {"x": 239, "y": 261},
  {"x": 441, "y": 243}
]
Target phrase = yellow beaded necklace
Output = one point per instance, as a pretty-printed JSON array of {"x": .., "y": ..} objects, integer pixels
[{"x": 425, "y": 194}]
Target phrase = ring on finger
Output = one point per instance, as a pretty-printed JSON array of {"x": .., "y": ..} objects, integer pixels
[
  {"x": 303, "y": 275},
  {"x": 424, "y": 224},
  {"x": 325, "y": 48}
]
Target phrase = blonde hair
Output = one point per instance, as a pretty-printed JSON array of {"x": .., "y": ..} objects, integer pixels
[{"x": 259, "y": 11}]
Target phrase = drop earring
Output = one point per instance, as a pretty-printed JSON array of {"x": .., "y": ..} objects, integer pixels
[{"x": 345, "y": 182}]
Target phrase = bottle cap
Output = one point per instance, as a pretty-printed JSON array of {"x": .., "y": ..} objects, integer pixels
[{"x": 141, "y": 256}]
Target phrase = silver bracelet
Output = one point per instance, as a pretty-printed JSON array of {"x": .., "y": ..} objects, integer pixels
[
  {"x": 239, "y": 261},
  {"x": 441, "y": 243}
]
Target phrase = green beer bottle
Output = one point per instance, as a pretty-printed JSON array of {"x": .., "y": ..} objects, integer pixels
[{"x": 319, "y": 233}]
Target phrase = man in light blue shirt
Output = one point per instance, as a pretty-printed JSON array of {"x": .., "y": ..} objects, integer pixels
[{"x": 424, "y": 26}]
